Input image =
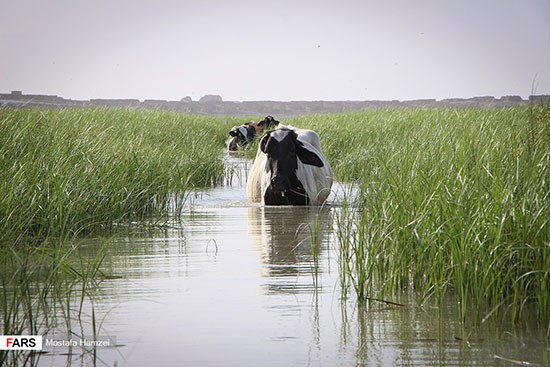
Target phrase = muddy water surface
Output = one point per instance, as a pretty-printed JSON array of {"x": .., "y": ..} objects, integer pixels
[{"x": 236, "y": 284}]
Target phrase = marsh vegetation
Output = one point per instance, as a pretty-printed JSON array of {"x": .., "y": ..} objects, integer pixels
[
  {"x": 450, "y": 204},
  {"x": 68, "y": 173}
]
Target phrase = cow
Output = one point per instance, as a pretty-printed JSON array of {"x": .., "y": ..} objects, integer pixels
[
  {"x": 257, "y": 127},
  {"x": 289, "y": 169},
  {"x": 239, "y": 136}
]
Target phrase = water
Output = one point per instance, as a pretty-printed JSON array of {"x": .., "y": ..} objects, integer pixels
[{"x": 236, "y": 284}]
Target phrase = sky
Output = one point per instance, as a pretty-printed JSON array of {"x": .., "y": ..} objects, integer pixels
[{"x": 275, "y": 50}]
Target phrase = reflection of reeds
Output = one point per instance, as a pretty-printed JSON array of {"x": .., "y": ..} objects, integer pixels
[
  {"x": 44, "y": 289},
  {"x": 451, "y": 200}
]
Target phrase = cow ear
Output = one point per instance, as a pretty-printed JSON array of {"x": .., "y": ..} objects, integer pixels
[
  {"x": 263, "y": 143},
  {"x": 307, "y": 156}
]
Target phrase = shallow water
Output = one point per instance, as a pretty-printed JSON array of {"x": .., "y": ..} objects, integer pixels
[{"x": 235, "y": 284}]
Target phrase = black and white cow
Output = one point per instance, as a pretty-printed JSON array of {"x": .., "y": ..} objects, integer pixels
[
  {"x": 239, "y": 136},
  {"x": 289, "y": 169}
]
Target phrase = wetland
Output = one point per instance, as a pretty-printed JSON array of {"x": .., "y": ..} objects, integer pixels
[{"x": 392, "y": 271}]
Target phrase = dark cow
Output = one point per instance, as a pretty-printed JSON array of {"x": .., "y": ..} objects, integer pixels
[
  {"x": 256, "y": 126},
  {"x": 289, "y": 169}
]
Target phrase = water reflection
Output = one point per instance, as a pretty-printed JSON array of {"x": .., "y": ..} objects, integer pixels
[
  {"x": 233, "y": 284},
  {"x": 291, "y": 242},
  {"x": 288, "y": 237},
  {"x": 433, "y": 335}
]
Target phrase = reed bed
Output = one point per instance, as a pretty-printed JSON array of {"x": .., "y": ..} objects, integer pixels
[
  {"x": 65, "y": 171},
  {"x": 451, "y": 202}
]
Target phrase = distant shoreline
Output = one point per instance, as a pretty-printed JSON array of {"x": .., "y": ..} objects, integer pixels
[{"x": 214, "y": 105}]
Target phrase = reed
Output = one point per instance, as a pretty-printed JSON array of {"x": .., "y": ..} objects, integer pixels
[
  {"x": 451, "y": 202},
  {"x": 64, "y": 171}
]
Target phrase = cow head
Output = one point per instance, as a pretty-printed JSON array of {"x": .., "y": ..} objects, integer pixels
[
  {"x": 268, "y": 122},
  {"x": 239, "y": 136},
  {"x": 283, "y": 149}
]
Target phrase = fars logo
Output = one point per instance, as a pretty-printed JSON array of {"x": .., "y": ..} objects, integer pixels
[{"x": 20, "y": 342}]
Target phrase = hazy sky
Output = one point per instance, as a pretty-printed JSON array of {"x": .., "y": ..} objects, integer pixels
[{"x": 276, "y": 50}]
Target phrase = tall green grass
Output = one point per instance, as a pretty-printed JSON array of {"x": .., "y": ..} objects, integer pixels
[
  {"x": 65, "y": 173},
  {"x": 69, "y": 170},
  {"x": 452, "y": 202}
]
